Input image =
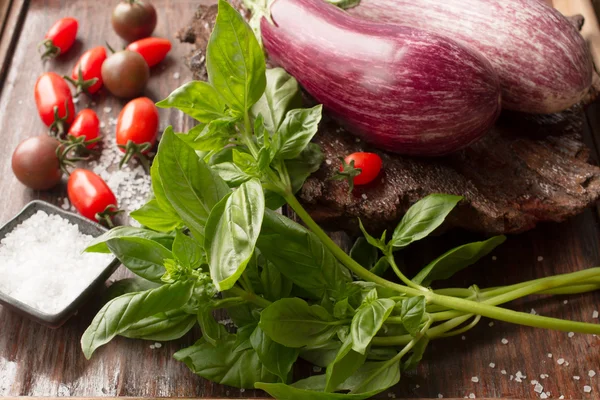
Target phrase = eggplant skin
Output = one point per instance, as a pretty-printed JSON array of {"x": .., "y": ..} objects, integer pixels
[
  {"x": 543, "y": 62},
  {"x": 402, "y": 89}
]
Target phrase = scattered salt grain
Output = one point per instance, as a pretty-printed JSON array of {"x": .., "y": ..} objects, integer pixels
[
  {"x": 566, "y": 302},
  {"x": 519, "y": 377},
  {"x": 587, "y": 389},
  {"x": 102, "y": 125},
  {"x": 158, "y": 345},
  {"x": 561, "y": 397},
  {"x": 42, "y": 263},
  {"x": 93, "y": 104},
  {"x": 176, "y": 75},
  {"x": 475, "y": 379},
  {"x": 549, "y": 355},
  {"x": 491, "y": 324},
  {"x": 591, "y": 373},
  {"x": 463, "y": 337},
  {"x": 392, "y": 395},
  {"x": 533, "y": 382},
  {"x": 76, "y": 100},
  {"x": 503, "y": 372},
  {"x": 538, "y": 388},
  {"x": 417, "y": 386},
  {"x": 357, "y": 140},
  {"x": 316, "y": 368},
  {"x": 576, "y": 377},
  {"x": 504, "y": 341},
  {"x": 560, "y": 361},
  {"x": 65, "y": 204},
  {"x": 152, "y": 347},
  {"x": 20, "y": 101},
  {"x": 544, "y": 376},
  {"x": 113, "y": 121},
  {"x": 566, "y": 363},
  {"x": 328, "y": 162},
  {"x": 595, "y": 314},
  {"x": 440, "y": 396},
  {"x": 492, "y": 365},
  {"x": 472, "y": 396},
  {"x": 512, "y": 377},
  {"x": 107, "y": 110},
  {"x": 364, "y": 196},
  {"x": 571, "y": 334},
  {"x": 533, "y": 312},
  {"x": 543, "y": 396},
  {"x": 540, "y": 258},
  {"x": 242, "y": 390}
]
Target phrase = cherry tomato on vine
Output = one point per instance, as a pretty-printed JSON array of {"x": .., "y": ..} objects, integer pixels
[
  {"x": 91, "y": 196},
  {"x": 153, "y": 49},
  {"x": 60, "y": 37},
  {"x": 137, "y": 128},
  {"x": 86, "y": 125},
  {"x": 54, "y": 101},
  {"x": 134, "y": 19},
  {"x": 87, "y": 73},
  {"x": 36, "y": 164},
  {"x": 125, "y": 74},
  {"x": 369, "y": 165}
]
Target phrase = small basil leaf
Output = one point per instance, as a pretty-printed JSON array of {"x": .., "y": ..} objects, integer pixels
[
  {"x": 423, "y": 218},
  {"x": 293, "y": 323},
  {"x": 301, "y": 257},
  {"x": 188, "y": 251},
  {"x": 277, "y": 358},
  {"x": 297, "y": 130},
  {"x": 208, "y": 137},
  {"x": 377, "y": 243},
  {"x": 119, "y": 314},
  {"x": 232, "y": 231},
  {"x": 190, "y": 185},
  {"x": 346, "y": 363},
  {"x": 154, "y": 217},
  {"x": 141, "y": 256},
  {"x": 223, "y": 365},
  {"x": 197, "y": 99},
  {"x": 412, "y": 312},
  {"x": 281, "y": 95},
  {"x": 275, "y": 285},
  {"x": 343, "y": 309},
  {"x": 166, "y": 326},
  {"x": 234, "y": 60},
  {"x": 231, "y": 174},
  {"x": 98, "y": 245},
  {"x": 364, "y": 253},
  {"x": 367, "y": 321},
  {"x": 212, "y": 331},
  {"x": 373, "y": 377},
  {"x": 416, "y": 355},
  {"x": 456, "y": 259}
]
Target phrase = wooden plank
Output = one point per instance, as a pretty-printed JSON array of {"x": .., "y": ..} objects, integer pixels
[{"x": 12, "y": 13}]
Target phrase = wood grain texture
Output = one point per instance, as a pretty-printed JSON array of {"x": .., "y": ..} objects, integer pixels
[{"x": 36, "y": 361}]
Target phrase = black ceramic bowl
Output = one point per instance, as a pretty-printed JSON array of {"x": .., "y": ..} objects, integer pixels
[{"x": 85, "y": 226}]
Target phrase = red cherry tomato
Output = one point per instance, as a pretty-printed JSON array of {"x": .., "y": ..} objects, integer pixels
[
  {"x": 369, "y": 164},
  {"x": 60, "y": 37},
  {"x": 51, "y": 91},
  {"x": 90, "y": 195},
  {"x": 153, "y": 49},
  {"x": 86, "y": 124},
  {"x": 90, "y": 64},
  {"x": 137, "y": 129}
]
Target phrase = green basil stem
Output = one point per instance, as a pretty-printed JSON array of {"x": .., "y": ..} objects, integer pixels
[
  {"x": 433, "y": 333},
  {"x": 491, "y": 292},
  {"x": 403, "y": 278},
  {"x": 466, "y": 306},
  {"x": 249, "y": 297},
  {"x": 464, "y": 328}
]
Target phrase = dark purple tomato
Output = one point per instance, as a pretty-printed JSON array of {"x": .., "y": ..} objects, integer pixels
[
  {"x": 134, "y": 19},
  {"x": 36, "y": 164},
  {"x": 125, "y": 74}
]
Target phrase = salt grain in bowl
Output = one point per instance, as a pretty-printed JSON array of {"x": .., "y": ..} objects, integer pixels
[{"x": 42, "y": 263}]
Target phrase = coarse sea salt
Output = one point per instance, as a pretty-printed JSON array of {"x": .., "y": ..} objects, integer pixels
[{"x": 42, "y": 264}]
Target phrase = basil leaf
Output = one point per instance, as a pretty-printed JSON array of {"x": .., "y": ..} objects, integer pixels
[
  {"x": 197, "y": 99},
  {"x": 231, "y": 173},
  {"x": 277, "y": 358},
  {"x": 456, "y": 259},
  {"x": 187, "y": 251},
  {"x": 162, "y": 327},
  {"x": 364, "y": 253},
  {"x": 301, "y": 257},
  {"x": 231, "y": 233},
  {"x": 128, "y": 285},
  {"x": 367, "y": 321},
  {"x": 297, "y": 130},
  {"x": 212, "y": 331},
  {"x": 159, "y": 190},
  {"x": 344, "y": 4},
  {"x": 234, "y": 60},
  {"x": 212, "y": 136},
  {"x": 98, "y": 245},
  {"x": 343, "y": 309},
  {"x": 373, "y": 377},
  {"x": 118, "y": 315},
  {"x": 423, "y": 218},
  {"x": 346, "y": 363},
  {"x": 417, "y": 354},
  {"x": 293, "y": 323},
  {"x": 141, "y": 256},
  {"x": 154, "y": 217},
  {"x": 377, "y": 243},
  {"x": 412, "y": 312},
  {"x": 190, "y": 185},
  {"x": 281, "y": 94},
  {"x": 275, "y": 285},
  {"x": 223, "y": 365},
  {"x": 287, "y": 392},
  {"x": 321, "y": 354}
]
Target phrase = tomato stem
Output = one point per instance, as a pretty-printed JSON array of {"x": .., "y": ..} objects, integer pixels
[
  {"x": 138, "y": 150},
  {"x": 81, "y": 85},
  {"x": 51, "y": 51},
  {"x": 105, "y": 217}
]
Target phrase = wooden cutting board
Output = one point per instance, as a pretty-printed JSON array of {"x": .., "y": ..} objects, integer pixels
[{"x": 36, "y": 361}]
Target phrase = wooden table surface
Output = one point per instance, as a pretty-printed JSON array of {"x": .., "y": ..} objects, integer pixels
[{"x": 36, "y": 361}]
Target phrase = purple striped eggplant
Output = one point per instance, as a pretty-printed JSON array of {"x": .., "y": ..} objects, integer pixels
[
  {"x": 402, "y": 89},
  {"x": 543, "y": 62}
]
